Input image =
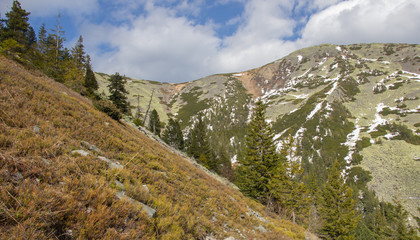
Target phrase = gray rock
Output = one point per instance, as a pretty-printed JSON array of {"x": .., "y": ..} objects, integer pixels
[
  {"x": 17, "y": 177},
  {"x": 261, "y": 229},
  {"x": 79, "y": 152},
  {"x": 37, "y": 130},
  {"x": 91, "y": 147},
  {"x": 119, "y": 185},
  {"x": 150, "y": 211},
  {"x": 111, "y": 164},
  {"x": 230, "y": 238},
  {"x": 253, "y": 213}
]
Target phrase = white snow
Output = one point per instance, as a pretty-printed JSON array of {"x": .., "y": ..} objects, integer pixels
[
  {"x": 299, "y": 58},
  {"x": 334, "y": 66},
  {"x": 301, "y": 96},
  {"x": 378, "y": 120},
  {"x": 234, "y": 159},
  {"x": 333, "y": 88},
  {"x": 390, "y": 136},
  {"x": 294, "y": 110},
  {"x": 238, "y": 74},
  {"x": 316, "y": 109},
  {"x": 232, "y": 140},
  {"x": 338, "y": 48},
  {"x": 352, "y": 138}
]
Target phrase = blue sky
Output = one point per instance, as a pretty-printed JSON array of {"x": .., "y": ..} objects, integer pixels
[{"x": 183, "y": 40}]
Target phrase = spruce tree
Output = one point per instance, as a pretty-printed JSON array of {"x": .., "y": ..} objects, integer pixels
[
  {"x": 199, "y": 146},
  {"x": 337, "y": 207},
  {"x": 17, "y": 25},
  {"x": 118, "y": 93},
  {"x": 90, "y": 80},
  {"x": 78, "y": 53},
  {"x": 260, "y": 160},
  {"x": 154, "y": 123},
  {"x": 173, "y": 135}
]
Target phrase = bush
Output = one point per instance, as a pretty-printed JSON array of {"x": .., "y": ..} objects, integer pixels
[{"x": 109, "y": 108}]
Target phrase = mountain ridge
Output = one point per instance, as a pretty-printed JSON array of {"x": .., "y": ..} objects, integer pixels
[{"x": 338, "y": 101}]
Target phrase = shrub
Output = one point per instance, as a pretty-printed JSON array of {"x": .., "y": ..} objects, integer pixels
[{"x": 109, "y": 108}]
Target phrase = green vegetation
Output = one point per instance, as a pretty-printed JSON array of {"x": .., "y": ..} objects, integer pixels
[
  {"x": 48, "y": 192},
  {"x": 154, "y": 123},
  {"x": 172, "y": 135},
  {"x": 337, "y": 207},
  {"x": 118, "y": 93}
]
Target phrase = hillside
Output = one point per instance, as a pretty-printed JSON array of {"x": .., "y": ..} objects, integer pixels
[
  {"x": 68, "y": 171},
  {"x": 357, "y": 103}
]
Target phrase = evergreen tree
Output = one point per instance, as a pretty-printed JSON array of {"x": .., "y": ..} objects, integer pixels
[
  {"x": 173, "y": 135},
  {"x": 260, "y": 160},
  {"x": 42, "y": 40},
  {"x": 78, "y": 54},
  {"x": 154, "y": 123},
  {"x": 90, "y": 80},
  {"x": 118, "y": 93},
  {"x": 337, "y": 207},
  {"x": 199, "y": 146},
  {"x": 17, "y": 25},
  {"x": 287, "y": 187}
]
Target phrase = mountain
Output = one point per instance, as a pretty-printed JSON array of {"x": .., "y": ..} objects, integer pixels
[
  {"x": 355, "y": 103},
  {"x": 69, "y": 171}
]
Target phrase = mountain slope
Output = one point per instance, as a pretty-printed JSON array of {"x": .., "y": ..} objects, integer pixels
[
  {"x": 70, "y": 172},
  {"x": 354, "y": 103}
]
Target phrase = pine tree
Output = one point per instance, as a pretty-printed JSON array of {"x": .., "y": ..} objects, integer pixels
[
  {"x": 78, "y": 54},
  {"x": 17, "y": 25},
  {"x": 337, "y": 207},
  {"x": 260, "y": 161},
  {"x": 118, "y": 93},
  {"x": 287, "y": 187},
  {"x": 199, "y": 146},
  {"x": 173, "y": 135},
  {"x": 154, "y": 123},
  {"x": 90, "y": 80}
]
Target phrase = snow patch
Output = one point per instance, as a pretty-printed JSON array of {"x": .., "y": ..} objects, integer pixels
[
  {"x": 237, "y": 74},
  {"x": 301, "y": 96},
  {"x": 378, "y": 120},
  {"x": 333, "y": 88},
  {"x": 299, "y": 57},
  {"x": 338, "y": 48},
  {"x": 234, "y": 159},
  {"x": 316, "y": 109}
]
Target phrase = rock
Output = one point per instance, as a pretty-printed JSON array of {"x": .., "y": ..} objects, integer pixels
[
  {"x": 45, "y": 161},
  {"x": 91, "y": 147},
  {"x": 150, "y": 211},
  {"x": 17, "y": 177},
  {"x": 119, "y": 184},
  {"x": 79, "y": 152},
  {"x": 145, "y": 188},
  {"x": 256, "y": 214},
  {"x": 107, "y": 124},
  {"x": 111, "y": 164},
  {"x": 163, "y": 173},
  {"x": 37, "y": 130},
  {"x": 230, "y": 238},
  {"x": 261, "y": 229}
]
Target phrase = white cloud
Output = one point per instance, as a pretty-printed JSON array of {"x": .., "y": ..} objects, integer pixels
[
  {"x": 359, "y": 21},
  {"x": 165, "y": 43}
]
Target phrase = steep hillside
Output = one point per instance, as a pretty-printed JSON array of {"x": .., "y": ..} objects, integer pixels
[
  {"x": 68, "y": 171},
  {"x": 357, "y": 103}
]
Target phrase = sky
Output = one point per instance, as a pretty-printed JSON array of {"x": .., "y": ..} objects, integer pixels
[{"x": 184, "y": 40}]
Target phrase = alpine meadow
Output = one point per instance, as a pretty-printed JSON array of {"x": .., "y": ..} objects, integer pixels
[{"x": 323, "y": 143}]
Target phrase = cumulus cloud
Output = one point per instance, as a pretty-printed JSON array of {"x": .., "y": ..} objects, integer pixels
[{"x": 166, "y": 40}]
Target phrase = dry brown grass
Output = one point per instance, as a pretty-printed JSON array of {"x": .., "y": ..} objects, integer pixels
[{"x": 48, "y": 193}]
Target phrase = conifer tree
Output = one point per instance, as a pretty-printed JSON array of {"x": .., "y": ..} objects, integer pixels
[
  {"x": 337, "y": 207},
  {"x": 154, "y": 123},
  {"x": 78, "y": 54},
  {"x": 17, "y": 25},
  {"x": 260, "y": 161},
  {"x": 118, "y": 93},
  {"x": 173, "y": 135},
  {"x": 90, "y": 80},
  {"x": 199, "y": 146}
]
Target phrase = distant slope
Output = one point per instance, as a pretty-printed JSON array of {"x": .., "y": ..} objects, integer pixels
[
  {"x": 126, "y": 187},
  {"x": 353, "y": 103}
]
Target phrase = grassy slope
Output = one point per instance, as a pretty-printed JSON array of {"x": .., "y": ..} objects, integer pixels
[{"x": 46, "y": 192}]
